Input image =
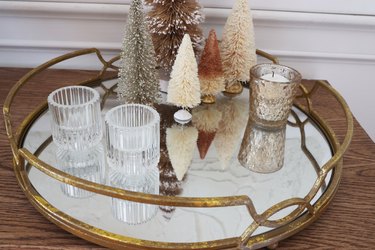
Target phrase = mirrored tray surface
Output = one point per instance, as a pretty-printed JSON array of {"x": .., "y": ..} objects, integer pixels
[
  {"x": 218, "y": 174},
  {"x": 217, "y": 204}
]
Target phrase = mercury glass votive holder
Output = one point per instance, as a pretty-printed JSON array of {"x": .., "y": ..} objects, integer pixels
[
  {"x": 133, "y": 152},
  {"x": 262, "y": 150},
  {"x": 272, "y": 91},
  {"x": 75, "y": 117}
]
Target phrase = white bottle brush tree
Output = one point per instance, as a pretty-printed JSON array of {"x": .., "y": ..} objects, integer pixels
[
  {"x": 138, "y": 79},
  {"x": 184, "y": 87},
  {"x": 181, "y": 142},
  {"x": 238, "y": 52}
]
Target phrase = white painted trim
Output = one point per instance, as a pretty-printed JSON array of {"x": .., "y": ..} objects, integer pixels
[
  {"x": 358, "y": 7},
  {"x": 323, "y": 56},
  {"x": 69, "y": 45},
  {"x": 115, "y": 12},
  {"x": 66, "y": 10},
  {"x": 296, "y": 18},
  {"x": 48, "y": 44}
]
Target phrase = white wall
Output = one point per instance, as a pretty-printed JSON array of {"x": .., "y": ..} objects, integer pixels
[{"x": 323, "y": 39}]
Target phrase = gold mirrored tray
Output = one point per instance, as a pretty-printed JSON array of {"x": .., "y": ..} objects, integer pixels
[{"x": 217, "y": 205}]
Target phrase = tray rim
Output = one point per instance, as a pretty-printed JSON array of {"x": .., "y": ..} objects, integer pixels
[{"x": 118, "y": 241}]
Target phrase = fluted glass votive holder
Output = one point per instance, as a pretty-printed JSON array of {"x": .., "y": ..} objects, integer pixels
[
  {"x": 272, "y": 91},
  {"x": 75, "y": 117},
  {"x": 86, "y": 164},
  {"x": 133, "y": 152}
]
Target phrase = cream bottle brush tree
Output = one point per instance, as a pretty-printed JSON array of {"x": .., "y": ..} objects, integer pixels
[
  {"x": 210, "y": 70},
  {"x": 184, "y": 86},
  {"x": 169, "y": 20},
  {"x": 138, "y": 79},
  {"x": 181, "y": 142},
  {"x": 234, "y": 117},
  {"x": 238, "y": 52}
]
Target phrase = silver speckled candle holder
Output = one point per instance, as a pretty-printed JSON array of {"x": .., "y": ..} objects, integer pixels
[
  {"x": 272, "y": 91},
  {"x": 262, "y": 150}
]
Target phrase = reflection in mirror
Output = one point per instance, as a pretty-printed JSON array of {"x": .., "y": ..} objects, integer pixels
[
  {"x": 169, "y": 184},
  {"x": 134, "y": 212},
  {"x": 262, "y": 150},
  {"x": 181, "y": 142},
  {"x": 206, "y": 119},
  {"x": 85, "y": 164},
  {"x": 218, "y": 174},
  {"x": 234, "y": 116}
]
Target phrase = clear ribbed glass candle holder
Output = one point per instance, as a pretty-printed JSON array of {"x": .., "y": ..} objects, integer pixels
[
  {"x": 85, "y": 164},
  {"x": 134, "y": 212},
  {"x": 133, "y": 152},
  {"x": 272, "y": 91},
  {"x": 75, "y": 117}
]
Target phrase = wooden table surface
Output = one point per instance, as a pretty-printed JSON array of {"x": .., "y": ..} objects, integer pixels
[{"x": 348, "y": 223}]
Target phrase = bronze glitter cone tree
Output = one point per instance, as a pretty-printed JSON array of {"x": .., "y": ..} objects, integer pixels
[
  {"x": 205, "y": 138},
  {"x": 169, "y": 21},
  {"x": 206, "y": 119},
  {"x": 210, "y": 70}
]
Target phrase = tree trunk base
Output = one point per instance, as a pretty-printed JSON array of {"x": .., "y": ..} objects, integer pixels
[
  {"x": 235, "y": 89},
  {"x": 208, "y": 99}
]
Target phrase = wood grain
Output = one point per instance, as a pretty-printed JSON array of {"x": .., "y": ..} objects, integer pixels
[{"x": 348, "y": 223}]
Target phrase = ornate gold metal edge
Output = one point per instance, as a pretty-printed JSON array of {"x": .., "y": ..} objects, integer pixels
[
  {"x": 301, "y": 125},
  {"x": 267, "y": 56},
  {"x": 102, "y": 237},
  {"x": 259, "y": 219},
  {"x": 301, "y": 201},
  {"x": 335, "y": 164}
]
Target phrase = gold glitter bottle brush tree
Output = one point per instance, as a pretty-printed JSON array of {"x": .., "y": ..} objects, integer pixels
[
  {"x": 238, "y": 51},
  {"x": 138, "y": 79}
]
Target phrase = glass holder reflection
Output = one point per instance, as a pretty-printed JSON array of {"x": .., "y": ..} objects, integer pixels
[{"x": 262, "y": 150}]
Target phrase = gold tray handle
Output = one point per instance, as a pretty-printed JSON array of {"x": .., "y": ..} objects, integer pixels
[
  {"x": 270, "y": 57},
  {"x": 13, "y": 137}
]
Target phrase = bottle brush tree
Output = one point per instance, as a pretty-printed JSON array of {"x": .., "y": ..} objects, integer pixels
[
  {"x": 238, "y": 52},
  {"x": 210, "y": 70},
  {"x": 234, "y": 117},
  {"x": 138, "y": 79},
  {"x": 184, "y": 87},
  {"x": 169, "y": 20},
  {"x": 181, "y": 142},
  {"x": 206, "y": 119}
]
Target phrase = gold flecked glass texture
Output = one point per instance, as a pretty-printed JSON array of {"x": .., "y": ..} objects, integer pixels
[{"x": 262, "y": 150}]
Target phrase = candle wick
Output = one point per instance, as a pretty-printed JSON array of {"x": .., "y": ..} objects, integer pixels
[{"x": 273, "y": 74}]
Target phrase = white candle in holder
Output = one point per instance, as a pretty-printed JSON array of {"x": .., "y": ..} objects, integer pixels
[
  {"x": 272, "y": 77},
  {"x": 272, "y": 90}
]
